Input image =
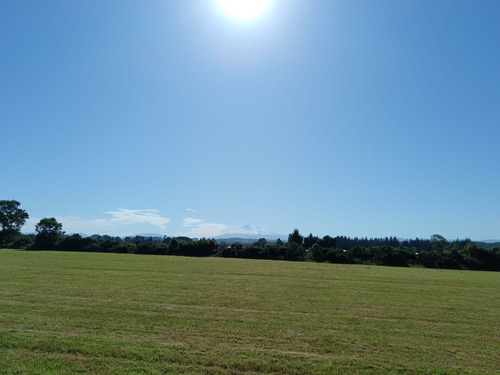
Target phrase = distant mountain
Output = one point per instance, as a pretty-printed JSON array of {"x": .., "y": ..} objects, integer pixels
[
  {"x": 243, "y": 241},
  {"x": 488, "y": 244},
  {"x": 250, "y": 232},
  {"x": 255, "y": 236},
  {"x": 154, "y": 235}
]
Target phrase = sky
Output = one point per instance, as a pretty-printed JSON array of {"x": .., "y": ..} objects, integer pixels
[{"x": 358, "y": 118}]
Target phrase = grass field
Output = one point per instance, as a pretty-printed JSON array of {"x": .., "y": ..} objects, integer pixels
[{"x": 65, "y": 313}]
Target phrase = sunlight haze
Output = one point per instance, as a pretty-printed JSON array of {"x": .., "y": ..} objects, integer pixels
[
  {"x": 190, "y": 117},
  {"x": 244, "y": 9}
]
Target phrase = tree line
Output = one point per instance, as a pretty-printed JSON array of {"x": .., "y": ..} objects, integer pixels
[{"x": 435, "y": 252}]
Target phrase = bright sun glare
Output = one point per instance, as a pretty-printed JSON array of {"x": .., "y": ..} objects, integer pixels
[{"x": 244, "y": 9}]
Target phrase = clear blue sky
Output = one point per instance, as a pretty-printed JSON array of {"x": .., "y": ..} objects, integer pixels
[{"x": 358, "y": 118}]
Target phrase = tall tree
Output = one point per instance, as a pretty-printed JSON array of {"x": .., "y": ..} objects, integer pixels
[
  {"x": 296, "y": 237},
  {"x": 328, "y": 242},
  {"x": 438, "y": 243},
  {"x": 12, "y": 218},
  {"x": 262, "y": 242},
  {"x": 310, "y": 240},
  {"x": 49, "y": 233}
]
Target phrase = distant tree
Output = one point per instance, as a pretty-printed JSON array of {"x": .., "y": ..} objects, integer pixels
[
  {"x": 49, "y": 234},
  {"x": 328, "y": 242},
  {"x": 262, "y": 242},
  {"x": 338, "y": 256},
  {"x": 389, "y": 256},
  {"x": 295, "y": 237},
  {"x": 21, "y": 242},
  {"x": 438, "y": 243},
  {"x": 233, "y": 251},
  {"x": 252, "y": 252},
  {"x": 173, "y": 246},
  {"x": 293, "y": 251},
  {"x": 223, "y": 244},
  {"x": 428, "y": 259},
  {"x": 271, "y": 252},
  {"x": 146, "y": 247},
  {"x": 12, "y": 218},
  {"x": 236, "y": 249},
  {"x": 478, "y": 258},
  {"x": 310, "y": 240},
  {"x": 460, "y": 244},
  {"x": 184, "y": 239},
  {"x": 318, "y": 253},
  {"x": 452, "y": 258},
  {"x": 199, "y": 248},
  {"x": 76, "y": 242}
]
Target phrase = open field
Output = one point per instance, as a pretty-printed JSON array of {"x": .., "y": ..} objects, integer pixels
[{"x": 65, "y": 313}]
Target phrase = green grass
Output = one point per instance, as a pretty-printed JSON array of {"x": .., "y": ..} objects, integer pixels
[{"x": 66, "y": 313}]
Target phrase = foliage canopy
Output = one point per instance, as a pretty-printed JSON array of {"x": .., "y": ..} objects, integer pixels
[{"x": 11, "y": 216}]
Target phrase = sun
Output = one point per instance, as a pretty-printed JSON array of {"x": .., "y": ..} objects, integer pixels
[{"x": 244, "y": 9}]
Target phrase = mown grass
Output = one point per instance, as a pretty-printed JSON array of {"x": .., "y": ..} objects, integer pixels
[{"x": 66, "y": 313}]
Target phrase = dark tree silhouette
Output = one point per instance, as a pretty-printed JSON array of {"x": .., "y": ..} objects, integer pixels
[
  {"x": 12, "y": 218},
  {"x": 310, "y": 240},
  {"x": 295, "y": 237},
  {"x": 49, "y": 234},
  {"x": 328, "y": 242}
]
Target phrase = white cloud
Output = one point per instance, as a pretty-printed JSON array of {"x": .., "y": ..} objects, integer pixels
[
  {"x": 191, "y": 210},
  {"x": 124, "y": 216},
  {"x": 189, "y": 222},
  {"x": 126, "y": 222},
  {"x": 123, "y": 222},
  {"x": 249, "y": 229},
  {"x": 198, "y": 228}
]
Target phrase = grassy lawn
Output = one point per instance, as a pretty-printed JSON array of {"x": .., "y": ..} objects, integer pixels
[{"x": 66, "y": 313}]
